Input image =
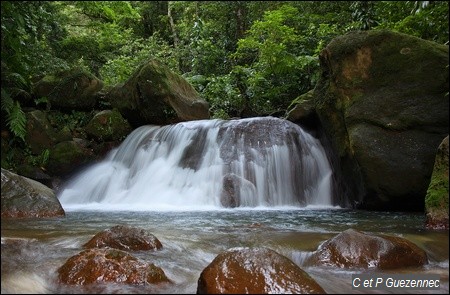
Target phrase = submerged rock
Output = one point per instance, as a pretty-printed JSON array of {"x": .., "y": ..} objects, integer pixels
[
  {"x": 254, "y": 271},
  {"x": 109, "y": 265},
  {"x": 353, "y": 248},
  {"x": 124, "y": 238}
]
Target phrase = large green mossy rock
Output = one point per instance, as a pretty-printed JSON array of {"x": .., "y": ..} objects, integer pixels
[
  {"x": 436, "y": 201},
  {"x": 69, "y": 90},
  {"x": 40, "y": 133},
  {"x": 156, "y": 95},
  {"x": 67, "y": 157},
  {"x": 382, "y": 102},
  {"x": 108, "y": 125}
]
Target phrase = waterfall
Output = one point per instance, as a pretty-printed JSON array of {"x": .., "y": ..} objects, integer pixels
[{"x": 207, "y": 164}]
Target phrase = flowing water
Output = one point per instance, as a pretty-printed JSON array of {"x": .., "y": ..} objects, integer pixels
[
  {"x": 254, "y": 162},
  {"x": 192, "y": 239},
  {"x": 201, "y": 188}
]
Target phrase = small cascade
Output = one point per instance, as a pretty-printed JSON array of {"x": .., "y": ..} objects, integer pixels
[{"x": 207, "y": 164}]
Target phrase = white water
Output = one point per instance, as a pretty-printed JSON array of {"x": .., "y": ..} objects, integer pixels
[{"x": 264, "y": 162}]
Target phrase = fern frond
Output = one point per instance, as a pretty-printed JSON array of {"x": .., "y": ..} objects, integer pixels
[
  {"x": 7, "y": 101},
  {"x": 16, "y": 120},
  {"x": 18, "y": 80}
]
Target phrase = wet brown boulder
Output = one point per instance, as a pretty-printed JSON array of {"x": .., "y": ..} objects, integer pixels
[
  {"x": 124, "y": 238},
  {"x": 24, "y": 197},
  {"x": 353, "y": 248},
  {"x": 109, "y": 265},
  {"x": 254, "y": 271}
]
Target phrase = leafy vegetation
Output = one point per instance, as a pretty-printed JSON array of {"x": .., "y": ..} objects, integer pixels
[{"x": 245, "y": 58}]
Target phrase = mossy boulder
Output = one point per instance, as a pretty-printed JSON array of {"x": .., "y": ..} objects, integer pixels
[
  {"x": 156, "y": 95},
  {"x": 436, "y": 200},
  {"x": 67, "y": 157},
  {"x": 382, "y": 102},
  {"x": 40, "y": 133},
  {"x": 302, "y": 109},
  {"x": 108, "y": 125},
  {"x": 73, "y": 89}
]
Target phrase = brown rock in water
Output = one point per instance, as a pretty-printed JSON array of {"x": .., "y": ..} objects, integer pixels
[
  {"x": 353, "y": 248},
  {"x": 254, "y": 271},
  {"x": 124, "y": 238},
  {"x": 109, "y": 265}
]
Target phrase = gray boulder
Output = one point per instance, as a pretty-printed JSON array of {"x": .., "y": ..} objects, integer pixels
[{"x": 23, "y": 197}]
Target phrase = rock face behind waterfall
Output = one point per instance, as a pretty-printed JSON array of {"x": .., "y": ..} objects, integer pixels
[
  {"x": 256, "y": 139},
  {"x": 382, "y": 102},
  {"x": 156, "y": 95}
]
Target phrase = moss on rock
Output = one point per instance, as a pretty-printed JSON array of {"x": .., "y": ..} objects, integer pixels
[
  {"x": 108, "y": 125},
  {"x": 436, "y": 200}
]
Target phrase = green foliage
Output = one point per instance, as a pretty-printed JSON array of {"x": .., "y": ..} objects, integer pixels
[
  {"x": 15, "y": 117},
  {"x": 28, "y": 29},
  {"x": 278, "y": 71},
  {"x": 40, "y": 160},
  {"x": 252, "y": 55},
  {"x": 224, "y": 98},
  {"x": 131, "y": 55},
  {"x": 72, "y": 120},
  {"x": 363, "y": 14},
  {"x": 97, "y": 32},
  {"x": 205, "y": 56}
]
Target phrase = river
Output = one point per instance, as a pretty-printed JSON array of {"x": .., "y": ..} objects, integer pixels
[
  {"x": 33, "y": 249},
  {"x": 203, "y": 187}
]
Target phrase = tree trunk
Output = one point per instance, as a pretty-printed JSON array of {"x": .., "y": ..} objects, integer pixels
[
  {"x": 172, "y": 25},
  {"x": 240, "y": 19}
]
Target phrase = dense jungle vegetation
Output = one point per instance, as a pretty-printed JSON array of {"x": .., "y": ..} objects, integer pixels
[{"x": 245, "y": 58}]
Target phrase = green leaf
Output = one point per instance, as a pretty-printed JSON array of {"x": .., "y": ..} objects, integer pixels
[{"x": 16, "y": 120}]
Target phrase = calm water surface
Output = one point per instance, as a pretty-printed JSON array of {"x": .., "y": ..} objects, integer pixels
[{"x": 192, "y": 239}]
